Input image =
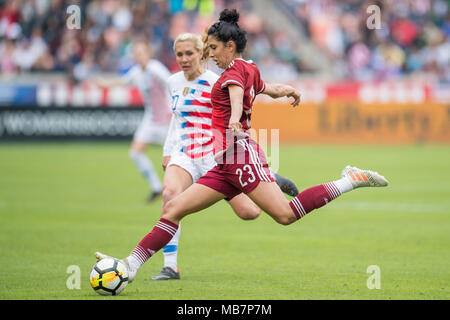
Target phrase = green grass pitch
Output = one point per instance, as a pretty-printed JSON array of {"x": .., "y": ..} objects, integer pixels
[{"x": 59, "y": 203}]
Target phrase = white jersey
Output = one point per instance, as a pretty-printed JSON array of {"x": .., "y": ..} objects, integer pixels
[
  {"x": 190, "y": 127},
  {"x": 152, "y": 84},
  {"x": 212, "y": 66}
]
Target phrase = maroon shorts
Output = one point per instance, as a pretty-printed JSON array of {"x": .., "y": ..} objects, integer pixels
[{"x": 239, "y": 169}]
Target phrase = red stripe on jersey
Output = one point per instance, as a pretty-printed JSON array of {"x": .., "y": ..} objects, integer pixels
[
  {"x": 197, "y": 125},
  {"x": 196, "y": 145},
  {"x": 197, "y": 103},
  {"x": 200, "y": 114},
  {"x": 207, "y": 95},
  {"x": 232, "y": 81},
  {"x": 198, "y": 155},
  {"x": 197, "y": 135}
]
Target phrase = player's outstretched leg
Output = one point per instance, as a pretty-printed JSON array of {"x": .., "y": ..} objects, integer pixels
[
  {"x": 270, "y": 199},
  {"x": 197, "y": 197},
  {"x": 176, "y": 180},
  {"x": 318, "y": 196}
]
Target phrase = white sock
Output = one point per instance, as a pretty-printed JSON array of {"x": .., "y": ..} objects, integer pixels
[
  {"x": 343, "y": 185},
  {"x": 145, "y": 167},
  {"x": 134, "y": 263},
  {"x": 171, "y": 251}
]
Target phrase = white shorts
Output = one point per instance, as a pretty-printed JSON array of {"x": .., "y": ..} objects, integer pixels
[
  {"x": 196, "y": 167},
  {"x": 149, "y": 132}
]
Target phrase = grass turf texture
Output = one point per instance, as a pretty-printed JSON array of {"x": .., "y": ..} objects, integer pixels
[{"x": 61, "y": 202}]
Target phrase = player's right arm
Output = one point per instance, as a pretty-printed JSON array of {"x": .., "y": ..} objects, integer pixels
[
  {"x": 278, "y": 90},
  {"x": 125, "y": 79},
  {"x": 236, "y": 99}
]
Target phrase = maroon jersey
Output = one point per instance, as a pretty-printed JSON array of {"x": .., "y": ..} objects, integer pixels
[{"x": 245, "y": 74}]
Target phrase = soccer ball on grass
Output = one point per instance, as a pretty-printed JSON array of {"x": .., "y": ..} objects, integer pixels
[{"x": 109, "y": 277}]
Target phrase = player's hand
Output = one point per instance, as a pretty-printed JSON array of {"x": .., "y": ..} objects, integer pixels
[
  {"x": 235, "y": 127},
  {"x": 165, "y": 162},
  {"x": 296, "y": 95}
]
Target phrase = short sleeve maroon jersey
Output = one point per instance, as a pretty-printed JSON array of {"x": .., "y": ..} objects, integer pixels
[{"x": 245, "y": 74}]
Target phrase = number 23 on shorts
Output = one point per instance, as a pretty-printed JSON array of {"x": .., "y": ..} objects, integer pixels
[{"x": 247, "y": 168}]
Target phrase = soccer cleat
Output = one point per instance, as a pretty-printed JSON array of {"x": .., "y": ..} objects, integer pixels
[
  {"x": 286, "y": 185},
  {"x": 153, "y": 196},
  {"x": 100, "y": 256},
  {"x": 131, "y": 273},
  {"x": 364, "y": 178},
  {"x": 167, "y": 273}
]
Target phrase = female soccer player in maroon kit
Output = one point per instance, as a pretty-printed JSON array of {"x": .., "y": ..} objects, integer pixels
[{"x": 242, "y": 166}]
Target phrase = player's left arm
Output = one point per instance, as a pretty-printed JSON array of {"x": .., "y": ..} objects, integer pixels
[
  {"x": 236, "y": 99},
  {"x": 278, "y": 90}
]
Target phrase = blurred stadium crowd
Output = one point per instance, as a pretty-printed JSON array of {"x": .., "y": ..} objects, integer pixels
[{"x": 413, "y": 39}]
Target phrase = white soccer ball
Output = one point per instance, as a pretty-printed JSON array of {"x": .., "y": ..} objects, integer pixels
[{"x": 109, "y": 277}]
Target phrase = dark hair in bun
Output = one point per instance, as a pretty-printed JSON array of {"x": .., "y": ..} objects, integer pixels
[
  {"x": 230, "y": 16},
  {"x": 227, "y": 29}
]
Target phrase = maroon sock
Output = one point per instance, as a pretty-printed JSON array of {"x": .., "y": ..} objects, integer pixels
[
  {"x": 313, "y": 198},
  {"x": 161, "y": 234}
]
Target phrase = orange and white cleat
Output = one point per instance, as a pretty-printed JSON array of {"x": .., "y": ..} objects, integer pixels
[{"x": 364, "y": 178}]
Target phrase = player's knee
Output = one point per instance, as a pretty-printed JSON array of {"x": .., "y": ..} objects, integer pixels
[
  {"x": 133, "y": 154},
  {"x": 250, "y": 213},
  {"x": 167, "y": 210},
  {"x": 285, "y": 221},
  {"x": 285, "y": 218},
  {"x": 170, "y": 211},
  {"x": 138, "y": 146},
  {"x": 170, "y": 192}
]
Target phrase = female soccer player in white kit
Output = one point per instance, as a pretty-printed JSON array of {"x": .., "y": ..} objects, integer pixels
[
  {"x": 188, "y": 149},
  {"x": 150, "y": 77}
]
